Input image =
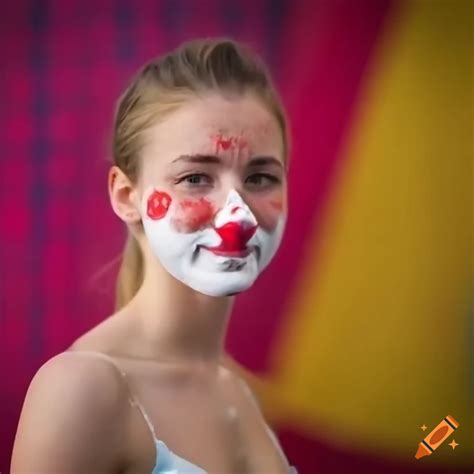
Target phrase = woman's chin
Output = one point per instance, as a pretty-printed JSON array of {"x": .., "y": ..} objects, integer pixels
[{"x": 220, "y": 283}]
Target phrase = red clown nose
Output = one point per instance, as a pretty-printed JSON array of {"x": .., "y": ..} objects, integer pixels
[{"x": 234, "y": 236}]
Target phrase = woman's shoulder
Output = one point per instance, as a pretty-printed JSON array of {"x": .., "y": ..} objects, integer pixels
[
  {"x": 73, "y": 414},
  {"x": 79, "y": 371},
  {"x": 84, "y": 383}
]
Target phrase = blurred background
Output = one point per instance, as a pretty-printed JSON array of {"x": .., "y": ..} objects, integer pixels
[{"x": 361, "y": 331}]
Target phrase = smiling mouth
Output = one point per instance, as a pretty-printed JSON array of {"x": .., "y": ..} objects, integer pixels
[
  {"x": 230, "y": 253},
  {"x": 241, "y": 253}
]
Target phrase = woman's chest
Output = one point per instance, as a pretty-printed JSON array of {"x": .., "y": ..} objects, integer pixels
[{"x": 215, "y": 426}]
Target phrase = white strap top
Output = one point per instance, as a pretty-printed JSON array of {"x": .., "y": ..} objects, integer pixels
[{"x": 167, "y": 462}]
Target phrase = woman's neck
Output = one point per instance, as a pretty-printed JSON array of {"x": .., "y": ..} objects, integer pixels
[{"x": 176, "y": 323}]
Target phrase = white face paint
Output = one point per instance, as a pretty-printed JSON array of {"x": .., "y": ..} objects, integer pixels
[{"x": 221, "y": 259}]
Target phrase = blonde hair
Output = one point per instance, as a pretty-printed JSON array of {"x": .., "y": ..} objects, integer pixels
[{"x": 161, "y": 86}]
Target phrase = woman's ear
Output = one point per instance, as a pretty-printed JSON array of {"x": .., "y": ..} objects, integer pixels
[{"x": 123, "y": 196}]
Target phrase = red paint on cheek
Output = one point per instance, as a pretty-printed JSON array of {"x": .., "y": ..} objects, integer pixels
[
  {"x": 158, "y": 204},
  {"x": 193, "y": 215},
  {"x": 267, "y": 211},
  {"x": 277, "y": 205}
]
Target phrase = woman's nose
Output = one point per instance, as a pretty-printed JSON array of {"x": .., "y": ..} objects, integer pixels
[
  {"x": 235, "y": 209},
  {"x": 235, "y": 222},
  {"x": 234, "y": 199}
]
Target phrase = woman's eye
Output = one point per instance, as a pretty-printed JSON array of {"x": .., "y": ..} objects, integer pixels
[
  {"x": 196, "y": 179},
  {"x": 261, "y": 180}
]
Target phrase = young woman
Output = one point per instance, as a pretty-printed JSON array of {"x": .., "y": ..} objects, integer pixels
[{"x": 200, "y": 149}]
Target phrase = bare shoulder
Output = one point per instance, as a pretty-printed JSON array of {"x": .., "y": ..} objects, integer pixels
[
  {"x": 80, "y": 376},
  {"x": 72, "y": 418}
]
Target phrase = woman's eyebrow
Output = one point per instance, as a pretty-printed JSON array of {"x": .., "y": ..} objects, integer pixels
[
  {"x": 197, "y": 159},
  {"x": 255, "y": 161},
  {"x": 265, "y": 160}
]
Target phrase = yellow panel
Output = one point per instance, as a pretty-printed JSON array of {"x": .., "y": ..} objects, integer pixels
[{"x": 376, "y": 340}]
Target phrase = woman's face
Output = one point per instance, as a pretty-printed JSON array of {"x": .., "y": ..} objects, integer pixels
[{"x": 213, "y": 192}]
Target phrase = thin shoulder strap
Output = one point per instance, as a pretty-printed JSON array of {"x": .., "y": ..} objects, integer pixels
[{"x": 132, "y": 398}]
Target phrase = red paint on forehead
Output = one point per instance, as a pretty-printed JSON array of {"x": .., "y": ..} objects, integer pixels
[
  {"x": 241, "y": 142},
  {"x": 158, "y": 204},
  {"x": 226, "y": 143},
  {"x": 193, "y": 215}
]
